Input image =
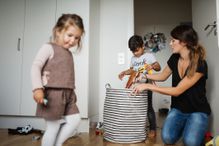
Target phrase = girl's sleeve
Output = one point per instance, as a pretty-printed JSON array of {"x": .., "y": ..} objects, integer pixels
[{"x": 45, "y": 52}]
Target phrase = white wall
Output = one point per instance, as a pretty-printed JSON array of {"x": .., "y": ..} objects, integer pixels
[
  {"x": 204, "y": 13},
  {"x": 217, "y": 15},
  {"x": 94, "y": 64},
  {"x": 116, "y": 26},
  {"x": 161, "y": 16}
]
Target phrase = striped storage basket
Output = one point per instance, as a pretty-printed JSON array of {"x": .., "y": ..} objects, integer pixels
[{"x": 125, "y": 116}]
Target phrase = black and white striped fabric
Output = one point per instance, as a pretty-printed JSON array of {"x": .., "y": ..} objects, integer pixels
[{"x": 125, "y": 116}]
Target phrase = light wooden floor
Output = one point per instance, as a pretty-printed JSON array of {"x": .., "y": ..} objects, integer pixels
[{"x": 83, "y": 139}]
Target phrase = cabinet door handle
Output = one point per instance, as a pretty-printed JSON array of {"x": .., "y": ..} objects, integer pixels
[{"x": 18, "y": 44}]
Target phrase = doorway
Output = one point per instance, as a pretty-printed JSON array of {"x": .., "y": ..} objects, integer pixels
[{"x": 160, "y": 16}]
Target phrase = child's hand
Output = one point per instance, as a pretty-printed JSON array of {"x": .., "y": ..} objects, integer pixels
[
  {"x": 38, "y": 95},
  {"x": 140, "y": 77},
  {"x": 121, "y": 75},
  {"x": 149, "y": 67}
]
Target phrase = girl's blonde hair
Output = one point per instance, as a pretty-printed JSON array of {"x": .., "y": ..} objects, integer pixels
[
  {"x": 186, "y": 34},
  {"x": 65, "y": 21}
]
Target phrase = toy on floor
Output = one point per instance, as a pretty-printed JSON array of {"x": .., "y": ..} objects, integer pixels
[
  {"x": 21, "y": 130},
  {"x": 28, "y": 129},
  {"x": 99, "y": 128},
  {"x": 213, "y": 142},
  {"x": 208, "y": 137},
  {"x": 135, "y": 74}
]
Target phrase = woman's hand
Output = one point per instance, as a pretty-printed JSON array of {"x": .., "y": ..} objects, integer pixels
[
  {"x": 141, "y": 87},
  {"x": 38, "y": 95}
]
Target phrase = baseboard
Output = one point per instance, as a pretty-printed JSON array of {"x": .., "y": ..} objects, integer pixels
[{"x": 37, "y": 123}]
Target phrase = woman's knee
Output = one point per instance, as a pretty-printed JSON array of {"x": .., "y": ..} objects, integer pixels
[
  {"x": 168, "y": 138},
  {"x": 191, "y": 141},
  {"x": 196, "y": 127}
]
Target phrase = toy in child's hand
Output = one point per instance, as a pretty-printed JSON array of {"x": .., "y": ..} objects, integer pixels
[
  {"x": 136, "y": 74},
  {"x": 132, "y": 78},
  {"x": 143, "y": 68},
  {"x": 45, "y": 101}
]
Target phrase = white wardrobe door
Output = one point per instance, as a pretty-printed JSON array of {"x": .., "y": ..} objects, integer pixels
[
  {"x": 39, "y": 22},
  {"x": 11, "y": 40}
]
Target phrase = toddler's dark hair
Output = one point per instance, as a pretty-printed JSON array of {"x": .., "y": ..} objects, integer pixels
[{"x": 135, "y": 42}]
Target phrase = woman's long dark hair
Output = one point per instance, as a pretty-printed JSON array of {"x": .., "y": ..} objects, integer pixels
[{"x": 187, "y": 35}]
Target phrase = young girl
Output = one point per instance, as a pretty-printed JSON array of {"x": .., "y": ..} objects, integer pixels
[
  {"x": 53, "y": 80},
  {"x": 188, "y": 117}
]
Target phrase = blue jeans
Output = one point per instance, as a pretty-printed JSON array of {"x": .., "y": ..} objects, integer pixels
[{"x": 190, "y": 126}]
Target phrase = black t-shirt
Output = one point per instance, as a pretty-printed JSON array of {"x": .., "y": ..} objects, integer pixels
[{"x": 193, "y": 99}]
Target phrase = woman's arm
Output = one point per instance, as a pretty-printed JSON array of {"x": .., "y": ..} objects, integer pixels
[
  {"x": 183, "y": 85},
  {"x": 160, "y": 76}
]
